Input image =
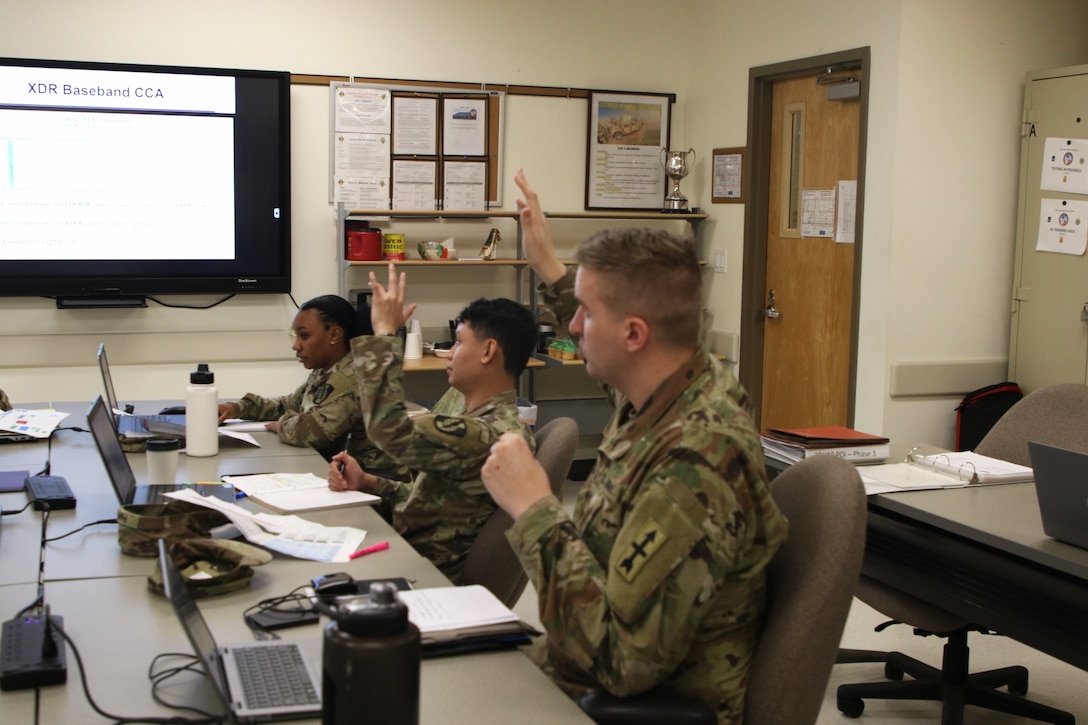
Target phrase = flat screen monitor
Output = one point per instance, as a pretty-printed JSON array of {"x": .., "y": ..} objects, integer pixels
[{"x": 122, "y": 179}]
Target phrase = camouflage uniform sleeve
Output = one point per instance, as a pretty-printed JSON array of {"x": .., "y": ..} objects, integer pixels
[
  {"x": 256, "y": 407},
  {"x": 321, "y": 411},
  {"x": 559, "y": 297},
  {"x": 454, "y": 446},
  {"x": 627, "y": 624}
]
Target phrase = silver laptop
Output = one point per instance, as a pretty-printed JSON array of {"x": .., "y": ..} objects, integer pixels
[
  {"x": 266, "y": 680},
  {"x": 135, "y": 426},
  {"x": 1061, "y": 484},
  {"x": 120, "y": 472}
]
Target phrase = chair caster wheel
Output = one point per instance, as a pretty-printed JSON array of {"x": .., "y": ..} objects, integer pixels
[
  {"x": 1020, "y": 687},
  {"x": 891, "y": 672},
  {"x": 850, "y": 706}
]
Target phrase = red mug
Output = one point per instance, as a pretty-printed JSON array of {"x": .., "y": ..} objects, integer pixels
[{"x": 364, "y": 245}]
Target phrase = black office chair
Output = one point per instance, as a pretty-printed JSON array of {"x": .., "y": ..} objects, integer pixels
[
  {"x": 1058, "y": 415},
  {"x": 809, "y": 592},
  {"x": 490, "y": 561}
]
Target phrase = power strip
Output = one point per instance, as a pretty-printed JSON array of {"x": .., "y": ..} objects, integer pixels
[{"x": 23, "y": 659}]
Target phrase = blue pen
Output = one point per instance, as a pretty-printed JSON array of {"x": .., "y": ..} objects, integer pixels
[{"x": 240, "y": 494}]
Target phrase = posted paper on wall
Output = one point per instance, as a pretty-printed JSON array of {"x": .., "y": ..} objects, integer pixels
[
  {"x": 1064, "y": 165},
  {"x": 1063, "y": 226}
]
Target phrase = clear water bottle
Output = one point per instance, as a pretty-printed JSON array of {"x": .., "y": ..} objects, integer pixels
[
  {"x": 201, "y": 413},
  {"x": 370, "y": 662}
]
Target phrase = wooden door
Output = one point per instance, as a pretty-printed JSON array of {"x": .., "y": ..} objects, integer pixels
[{"x": 807, "y": 341}]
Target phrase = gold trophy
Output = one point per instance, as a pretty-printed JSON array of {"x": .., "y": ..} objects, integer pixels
[{"x": 676, "y": 166}]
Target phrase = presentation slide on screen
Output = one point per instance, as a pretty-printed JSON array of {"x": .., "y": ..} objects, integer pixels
[{"x": 82, "y": 184}]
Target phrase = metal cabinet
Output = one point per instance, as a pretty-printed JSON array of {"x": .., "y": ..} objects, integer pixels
[{"x": 1049, "y": 330}]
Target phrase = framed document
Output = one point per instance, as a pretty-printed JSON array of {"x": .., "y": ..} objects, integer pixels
[
  {"x": 464, "y": 185},
  {"x": 464, "y": 125},
  {"x": 415, "y": 124},
  {"x": 728, "y": 185},
  {"x": 627, "y": 134}
]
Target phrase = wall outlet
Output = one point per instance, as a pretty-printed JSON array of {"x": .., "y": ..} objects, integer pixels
[{"x": 719, "y": 261}]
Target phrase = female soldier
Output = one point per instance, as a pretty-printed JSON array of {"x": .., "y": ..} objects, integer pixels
[{"x": 324, "y": 412}]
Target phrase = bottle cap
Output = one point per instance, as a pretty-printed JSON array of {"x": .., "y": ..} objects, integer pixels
[
  {"x": 378, "y": 613},
  {"x": 202, "y": 375},
  {"x": 162, "y": 444}
]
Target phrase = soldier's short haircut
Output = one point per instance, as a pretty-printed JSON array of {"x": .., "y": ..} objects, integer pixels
[
  {"x": 509, "y": 323},
  {"x": 335, "y": 310},
  {"x": 652, "y": 274}
]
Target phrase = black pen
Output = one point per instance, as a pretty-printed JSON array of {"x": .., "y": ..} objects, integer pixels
[{"x": 347, "y": 445}]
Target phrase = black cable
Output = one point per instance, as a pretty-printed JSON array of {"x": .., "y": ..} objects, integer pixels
[
  {"x": 276, "y": 604},
  {"x": 17, "y": 511},
  {"x": 190, "y": 307},
  {"x": 49, "y": 446},
  {"x": 210, "y": 720},
  {"x": 192, "y": 664},
  {"x": 76, "y": 531}
]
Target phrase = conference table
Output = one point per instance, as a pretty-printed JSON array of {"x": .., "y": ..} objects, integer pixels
[
  {"x": 119, "y": 625},
  {"x": 980, "y": 552}
]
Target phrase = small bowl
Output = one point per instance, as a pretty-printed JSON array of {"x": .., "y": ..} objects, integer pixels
[{"x": 442, "y": 352}]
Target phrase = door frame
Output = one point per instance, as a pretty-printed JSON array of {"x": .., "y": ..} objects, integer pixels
[{"x": 754, "y": 272}]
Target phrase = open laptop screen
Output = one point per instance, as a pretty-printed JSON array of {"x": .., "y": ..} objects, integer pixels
[{"x": 113, "y": 456}]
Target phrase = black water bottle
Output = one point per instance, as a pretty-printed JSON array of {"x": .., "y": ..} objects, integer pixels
[{"x": 370, "y": 663}]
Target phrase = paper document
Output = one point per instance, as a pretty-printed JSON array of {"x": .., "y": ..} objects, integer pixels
[
  {"x": 445, "y": 609},
  {"x": 289, "y": 535},
  {"x": 285, "y": 492},
  {"x": 941, "y": 470},
  {"x": 35, "y": 423}
]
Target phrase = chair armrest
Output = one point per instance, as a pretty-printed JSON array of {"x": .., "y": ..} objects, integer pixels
[{"x": 648, "y": 708}]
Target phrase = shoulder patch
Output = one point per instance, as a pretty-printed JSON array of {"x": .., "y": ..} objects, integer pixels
[
  {"x": 321, "y": 392},
  {"x": 648, "y": 540},
  {"x": 450, "y": 425}
]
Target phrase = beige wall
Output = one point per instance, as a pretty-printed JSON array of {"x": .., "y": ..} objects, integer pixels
[{"x": 947, "y": 80}]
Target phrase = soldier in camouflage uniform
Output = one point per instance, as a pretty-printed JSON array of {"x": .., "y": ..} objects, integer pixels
[
  {"x": 5, "y": 404},
  {"x": 442, "y": 510},
  {"x": 658, "y": 580},
  {"x": 323, "y": 412}
]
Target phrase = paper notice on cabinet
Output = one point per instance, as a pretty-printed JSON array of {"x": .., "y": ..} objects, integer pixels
[
  {"x": 1064, "y": 165},
  {"x": 1063, "y": 226}
]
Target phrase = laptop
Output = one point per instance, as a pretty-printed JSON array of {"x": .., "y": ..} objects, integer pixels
[
  {"x": 135, "y": 426},
  {"x": 1061, "y": 485},
  {"x": 247, "y": 677},
  {"x": 120, "y": 472}
]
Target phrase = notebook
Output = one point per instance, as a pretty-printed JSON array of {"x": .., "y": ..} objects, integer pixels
[
  {"x": 266, "y": 680},
  {"x": 1061, "y": 485},
  {"x": 135, "y": 426},
  {"x": 120, "y": 472}
]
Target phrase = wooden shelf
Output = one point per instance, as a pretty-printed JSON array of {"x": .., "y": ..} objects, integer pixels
[
  {"x": 646, "y": 215},
  {"x": 430, "y": 361},
  {"x": 431, "y": 214},
  {"x": 505, "y": 262}
]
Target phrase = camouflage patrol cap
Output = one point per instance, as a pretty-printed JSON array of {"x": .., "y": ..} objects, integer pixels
[
  {"x": 212, "y": 566},
  {"x": 140, "y": 526}
]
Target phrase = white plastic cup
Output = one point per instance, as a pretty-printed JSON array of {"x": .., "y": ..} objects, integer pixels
[
  {"x": 162, "y": 460},
  {"x": 413, "y": 346},
  {"x": 416, "y": 327}
]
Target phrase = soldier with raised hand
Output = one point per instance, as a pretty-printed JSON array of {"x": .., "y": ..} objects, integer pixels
[
  {"x": 657, "y": 581},
  {"x": 441, "y": 511}
]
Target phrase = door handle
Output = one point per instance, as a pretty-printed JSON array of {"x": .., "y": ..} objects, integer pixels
[{"x": 769, "y": 311}]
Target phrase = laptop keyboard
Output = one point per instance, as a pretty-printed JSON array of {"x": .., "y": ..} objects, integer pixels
[{"x": 275, "y": 676}]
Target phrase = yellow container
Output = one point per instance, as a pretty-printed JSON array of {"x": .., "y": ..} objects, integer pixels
[{"x": 393, "y": 246}]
